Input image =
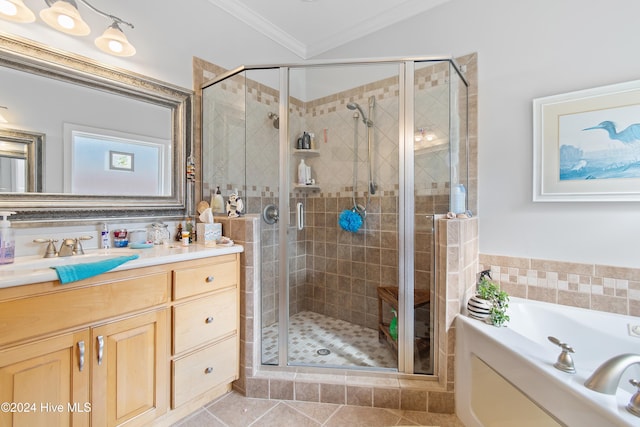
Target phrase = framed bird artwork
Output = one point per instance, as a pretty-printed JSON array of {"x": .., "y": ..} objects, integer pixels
[{"x": 587, "y": 145}]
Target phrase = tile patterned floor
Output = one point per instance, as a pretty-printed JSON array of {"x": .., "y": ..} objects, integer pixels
[
  {"x": 349, "y": 344},
  {"x": 235, "y": 410}
]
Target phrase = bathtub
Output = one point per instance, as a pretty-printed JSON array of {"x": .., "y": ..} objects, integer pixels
[{"x": 505, "y": 376}]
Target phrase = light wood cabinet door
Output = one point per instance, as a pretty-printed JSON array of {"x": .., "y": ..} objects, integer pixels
[
  {"x": 46, "y": 382},
  {"x": 130, "y": 376}
]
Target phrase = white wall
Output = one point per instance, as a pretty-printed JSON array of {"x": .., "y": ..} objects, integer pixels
[
  {"x": 529, "y": 50},
  {"x": 525, "y": 50}
]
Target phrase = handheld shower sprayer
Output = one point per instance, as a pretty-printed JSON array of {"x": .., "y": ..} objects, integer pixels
[{"x": 354, "y": 106}]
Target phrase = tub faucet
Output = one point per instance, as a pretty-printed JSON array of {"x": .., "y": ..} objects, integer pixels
[
  {"x": 606, "y": 378},
  {"x": 565, "y": 361}
]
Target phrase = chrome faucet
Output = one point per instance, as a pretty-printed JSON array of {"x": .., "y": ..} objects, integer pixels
[
  {"x": 606, "y": 378},
  {"x": 72, "y": 246},
  {"x": 66, "y": 247}
]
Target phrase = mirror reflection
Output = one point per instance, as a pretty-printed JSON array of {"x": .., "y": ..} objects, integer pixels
[
  {"x": 83, "y": 128},
  {"x": 116, "y": 141},
  {"x": 20, "y": 161}
]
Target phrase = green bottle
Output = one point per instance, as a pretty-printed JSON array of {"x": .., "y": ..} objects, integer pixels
[{"x": 393, "y": 326}]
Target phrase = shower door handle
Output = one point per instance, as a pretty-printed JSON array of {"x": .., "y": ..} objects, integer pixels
[{"x": 300, "y": 215}]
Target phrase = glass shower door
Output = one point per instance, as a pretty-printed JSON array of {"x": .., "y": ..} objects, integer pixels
[{"x": 351, "y": 113}]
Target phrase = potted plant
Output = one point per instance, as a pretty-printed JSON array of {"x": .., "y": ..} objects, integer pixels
[{"x": 490, "y": 303}]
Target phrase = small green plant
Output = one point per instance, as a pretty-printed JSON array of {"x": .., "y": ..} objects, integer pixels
[{"x": 499, "y": 301}]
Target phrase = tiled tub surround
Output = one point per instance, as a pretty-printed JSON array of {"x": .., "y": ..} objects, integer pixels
[{"x": 592, "y": 286}]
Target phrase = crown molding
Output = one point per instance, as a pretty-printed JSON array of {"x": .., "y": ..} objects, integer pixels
[
  {"x": 368, "y": 25},
  {"x": 262, "y": 25}
]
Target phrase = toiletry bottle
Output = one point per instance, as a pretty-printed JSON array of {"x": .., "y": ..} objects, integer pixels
[
  {"x": 302, "y": 172},
  {"x": 7, "y": 239},
  {"x": 217, "y": 202},
  {"x": 306, "y": 141},
  {"x": 105, "y": 241},
  {"x": 189, "y": 229},
  {"x": 459, "y": 199},
  {"x": 393, "y": 325},
  {"x": 179, "y": 233}
]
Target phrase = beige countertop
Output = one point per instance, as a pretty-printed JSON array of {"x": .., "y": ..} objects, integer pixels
[{"x": 33, "y": 269}]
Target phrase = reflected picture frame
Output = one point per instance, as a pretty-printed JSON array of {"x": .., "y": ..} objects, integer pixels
[
  {"x": 119, "y": 160},
  {"x": 585, "y": 145}
]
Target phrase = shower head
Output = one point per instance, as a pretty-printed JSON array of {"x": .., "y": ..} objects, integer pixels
[
  {"x": 354, "y": 106},
  {"x": 276, "y": 120}
]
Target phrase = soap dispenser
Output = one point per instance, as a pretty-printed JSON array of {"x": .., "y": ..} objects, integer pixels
[
  {"x": 7, "y": 239},
  {"x": 217, "y": 202}
]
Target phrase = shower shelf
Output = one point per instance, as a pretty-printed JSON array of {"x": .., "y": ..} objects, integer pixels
[
  {"x": 306, "y": 153},
  {"x": 305, "y": 187}
]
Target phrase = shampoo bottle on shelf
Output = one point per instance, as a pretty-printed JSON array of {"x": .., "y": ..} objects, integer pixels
[
  {"x": 302, "y": 172},
  {"x": 7, "y": 239},
  {"x": 459, "y": 199}
]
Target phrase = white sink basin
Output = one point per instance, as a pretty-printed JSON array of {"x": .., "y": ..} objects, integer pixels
[{"x": 38, "y": 262}]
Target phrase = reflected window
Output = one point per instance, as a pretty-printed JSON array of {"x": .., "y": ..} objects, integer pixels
[{"x": 103, "y": 161}]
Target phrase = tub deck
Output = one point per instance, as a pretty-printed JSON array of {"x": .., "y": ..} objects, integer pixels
[{"x": 522, "y": 356}]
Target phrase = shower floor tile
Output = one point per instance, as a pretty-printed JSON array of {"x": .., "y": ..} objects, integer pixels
[{"x": 311, "y": 333}]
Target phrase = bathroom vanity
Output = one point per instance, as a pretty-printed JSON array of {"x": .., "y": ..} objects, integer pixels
[{"x": 146, "y": 343}]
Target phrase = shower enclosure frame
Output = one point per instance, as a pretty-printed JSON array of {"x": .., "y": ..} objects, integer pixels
[{"x": 406, "y": 191}]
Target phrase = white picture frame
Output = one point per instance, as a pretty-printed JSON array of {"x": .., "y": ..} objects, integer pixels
[{"x": 585, "y": 145}]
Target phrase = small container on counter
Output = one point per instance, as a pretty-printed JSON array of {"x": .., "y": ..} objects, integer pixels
[{"x": 120, "y": 239}]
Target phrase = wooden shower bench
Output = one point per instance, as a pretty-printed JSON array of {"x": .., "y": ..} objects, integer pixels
[{"x": 389, "y": 294}]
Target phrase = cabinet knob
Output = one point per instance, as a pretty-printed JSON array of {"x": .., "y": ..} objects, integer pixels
[
  {"x": 209, "y": 279},
  {"x": 209, "y": 319},
  {"x": 208, "y": 370}
]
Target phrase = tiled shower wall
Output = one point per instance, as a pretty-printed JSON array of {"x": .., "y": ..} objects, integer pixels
[{"x": 332, "y": 271}]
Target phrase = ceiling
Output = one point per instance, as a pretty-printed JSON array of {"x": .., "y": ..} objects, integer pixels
[{"x": 311, "y": 27}]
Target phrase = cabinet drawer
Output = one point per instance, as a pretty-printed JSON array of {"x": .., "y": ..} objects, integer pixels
[
  {"x": 205, "y": 278},
  {"x": 200, "y": 371},
  {"x": 41, "y": 314},
  {"x": 199, "y": 321}
]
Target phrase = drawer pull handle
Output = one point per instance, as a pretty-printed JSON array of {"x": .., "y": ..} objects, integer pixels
[
  {"x": 208, "y": 370},
  {"x": 209, "y": 320},
  {"x": 209, "y": 279},
  {"x": 100, "y": 340},
  {"x": 81, "y": 354}
]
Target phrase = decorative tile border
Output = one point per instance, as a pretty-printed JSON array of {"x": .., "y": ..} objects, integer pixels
[{"x": 592, "y": 286}]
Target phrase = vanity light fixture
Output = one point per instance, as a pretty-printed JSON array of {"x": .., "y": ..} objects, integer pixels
[
  {"x": 64, "y": 16},
  {"x": 16, "y": 11}
]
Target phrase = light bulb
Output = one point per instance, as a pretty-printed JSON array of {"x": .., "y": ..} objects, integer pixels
[
  {"x": 66, "y": 22},
  {"x": 115, "y": 46}
]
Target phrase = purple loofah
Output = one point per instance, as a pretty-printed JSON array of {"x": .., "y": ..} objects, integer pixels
[{"x": 350, "y": 220}]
